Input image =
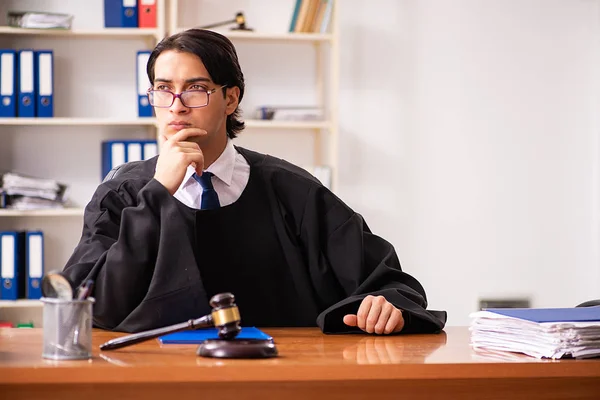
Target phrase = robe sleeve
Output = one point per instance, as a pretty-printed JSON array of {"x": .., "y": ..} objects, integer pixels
[
  {"x": 366, "y": 264},
  {"x": 119, "y": 246}
]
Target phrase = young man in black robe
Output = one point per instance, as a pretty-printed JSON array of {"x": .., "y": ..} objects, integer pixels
[{"x": 204, "y": 217}]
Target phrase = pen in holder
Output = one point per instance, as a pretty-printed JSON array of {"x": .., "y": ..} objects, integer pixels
[{"x": 67, "y": 328}]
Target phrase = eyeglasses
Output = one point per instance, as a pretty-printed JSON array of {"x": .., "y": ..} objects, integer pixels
[{"x": 189, "y": 98}]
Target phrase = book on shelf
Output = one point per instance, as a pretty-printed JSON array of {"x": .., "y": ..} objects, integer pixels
[{"x": 311, "y": 16}]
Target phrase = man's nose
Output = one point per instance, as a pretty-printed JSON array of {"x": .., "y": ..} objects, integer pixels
[{"x": 178, "y": 106}]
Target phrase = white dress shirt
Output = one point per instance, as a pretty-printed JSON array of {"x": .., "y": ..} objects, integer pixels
[{"x": 231, "y": 174}]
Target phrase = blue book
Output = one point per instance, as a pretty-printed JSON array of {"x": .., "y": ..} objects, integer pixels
[
  {"x": 200, "y": 335},
  {"x": 540, "y": 315},
  {"x": 295, "y": 16}
]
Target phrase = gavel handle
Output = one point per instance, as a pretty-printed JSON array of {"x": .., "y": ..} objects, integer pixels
[
  {"x": 215, "y": 25},
  {"x": 203, "y": 322}
]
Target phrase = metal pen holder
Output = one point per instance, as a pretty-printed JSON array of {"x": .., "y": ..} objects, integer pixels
[{"x": 67, "y": 329}]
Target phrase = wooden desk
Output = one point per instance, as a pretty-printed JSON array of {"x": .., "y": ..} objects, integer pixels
[{"x": 311, "y": 365}]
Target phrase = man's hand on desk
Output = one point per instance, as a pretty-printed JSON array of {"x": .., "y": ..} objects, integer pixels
[{"x": 376, "y": 315}]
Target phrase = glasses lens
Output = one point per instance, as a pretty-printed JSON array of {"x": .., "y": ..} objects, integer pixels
[
  {"x": 194, "y": 98},
  {"x": 160, "y": 98}
]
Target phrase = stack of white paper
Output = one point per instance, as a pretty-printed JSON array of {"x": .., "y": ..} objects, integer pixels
[
  {"x": 26, "y": 193},
  {"x": 541, "y": 332},
  {"x": 39, "y": 20}
]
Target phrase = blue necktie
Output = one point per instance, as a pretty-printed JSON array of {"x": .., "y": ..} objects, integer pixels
[{"x": 210, "y": 199}]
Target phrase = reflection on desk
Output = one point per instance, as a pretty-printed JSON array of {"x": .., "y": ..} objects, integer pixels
[{"x": 390, "y": 350}]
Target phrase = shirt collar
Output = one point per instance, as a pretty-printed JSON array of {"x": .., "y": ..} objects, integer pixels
[{"x": 222, "y": 168}]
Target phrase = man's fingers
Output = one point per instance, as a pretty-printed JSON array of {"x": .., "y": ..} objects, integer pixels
[
  {"x": 386, "y": 311},
  {"x": 363, "y": 311},
  {"x": 187, "y": 133},
  {"x": 350, "y": 319},
  {"x": 187, "y": 145},
  {"x": 374, "y": 312},
  {"x": 161, "y": 140},
  {"x": 395, "y": 323},
  {"x": 180, "y": 149}
]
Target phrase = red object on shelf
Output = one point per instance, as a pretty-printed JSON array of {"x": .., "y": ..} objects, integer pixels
[{"x": 147, "y": 13}]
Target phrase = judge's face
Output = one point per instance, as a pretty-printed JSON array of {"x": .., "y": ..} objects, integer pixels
[{"x": 177, "y": 72}]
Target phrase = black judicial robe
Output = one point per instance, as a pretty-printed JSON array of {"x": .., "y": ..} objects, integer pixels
[{"x": 134, "y": 245}]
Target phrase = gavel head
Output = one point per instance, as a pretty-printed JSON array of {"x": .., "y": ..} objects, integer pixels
[{"x": 225, "y": 315}]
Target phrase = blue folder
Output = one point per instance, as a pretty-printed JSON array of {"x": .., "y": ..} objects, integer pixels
[
  {"x": 26, "y": 89},
  {"x": 12, "y": 265},
  {"x": 44, "y": 83},
  {"x": 143, "y": 84},
  {"x": 120, "y": 13},
  {"x": 34, "y": 264},
  {"x": 200, "y": 335},
  {"x": 539, "y": 315},
  {"x": 8, "y": 83}
]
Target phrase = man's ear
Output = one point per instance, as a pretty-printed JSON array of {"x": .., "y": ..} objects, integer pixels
[{"x": 232, "y": 97}]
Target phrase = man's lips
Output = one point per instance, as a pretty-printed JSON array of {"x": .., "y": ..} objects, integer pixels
[{"x": 178, "y": 125}]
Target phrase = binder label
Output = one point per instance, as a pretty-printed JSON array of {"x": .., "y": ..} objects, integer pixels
[
  {"x": 8, "y": 75},
  {"x": 8, "y": 257},
  {"x": 150, "y": 150},
  {"x": 148, "y": 2},
  {"x": 35, "y": 252},
  {"x": 26, "y": 72},
  {"x": 134, "y": 152},
  {"x": 118, "y": 154},
  {"x": 129, "y": 3},
  {"x": 143, "y": 81},
  {"x": 45, "y": 69}
]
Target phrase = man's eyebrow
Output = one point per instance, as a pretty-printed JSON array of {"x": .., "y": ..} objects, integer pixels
[{"x": 188, "y": 81}]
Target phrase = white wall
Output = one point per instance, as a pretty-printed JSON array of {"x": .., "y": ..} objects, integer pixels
[
  {"x": 468, "y": 133},
  {"x": 469, "y": 140}
]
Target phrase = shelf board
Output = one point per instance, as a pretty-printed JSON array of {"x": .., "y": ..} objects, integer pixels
[
  {"x": 21, "y": 303},
  {"x": 60, "y": 212},
  {"x": 87, "y": 33},
  {"x": 250, "y": 124},
  {"x": 270, "y": 124},
  {"x": 78, "y": 121},
  {"x": 275, "y": 37}
]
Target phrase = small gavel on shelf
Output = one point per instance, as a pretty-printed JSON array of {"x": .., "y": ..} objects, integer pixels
[{"x": 225, "y": 316}]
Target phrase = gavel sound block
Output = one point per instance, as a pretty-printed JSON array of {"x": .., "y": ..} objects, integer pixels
[{"x": 225, "y": 316}]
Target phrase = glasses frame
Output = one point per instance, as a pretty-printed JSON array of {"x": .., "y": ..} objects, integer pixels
[{"x": 178, "y": 96}]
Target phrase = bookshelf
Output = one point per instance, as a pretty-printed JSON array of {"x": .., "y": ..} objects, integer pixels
[{"x": 90, "y": 63}]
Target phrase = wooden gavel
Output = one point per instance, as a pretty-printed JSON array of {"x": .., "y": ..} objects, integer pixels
[{"x": 225, "y": 316}]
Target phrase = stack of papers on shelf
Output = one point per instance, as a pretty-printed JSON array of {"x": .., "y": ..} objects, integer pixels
[
  {"x": 290, "y": 113},
  {"x": 538, "y": 332},
  {"x": 39, "y": 20},
  {"x": 28, "y": 193}
]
